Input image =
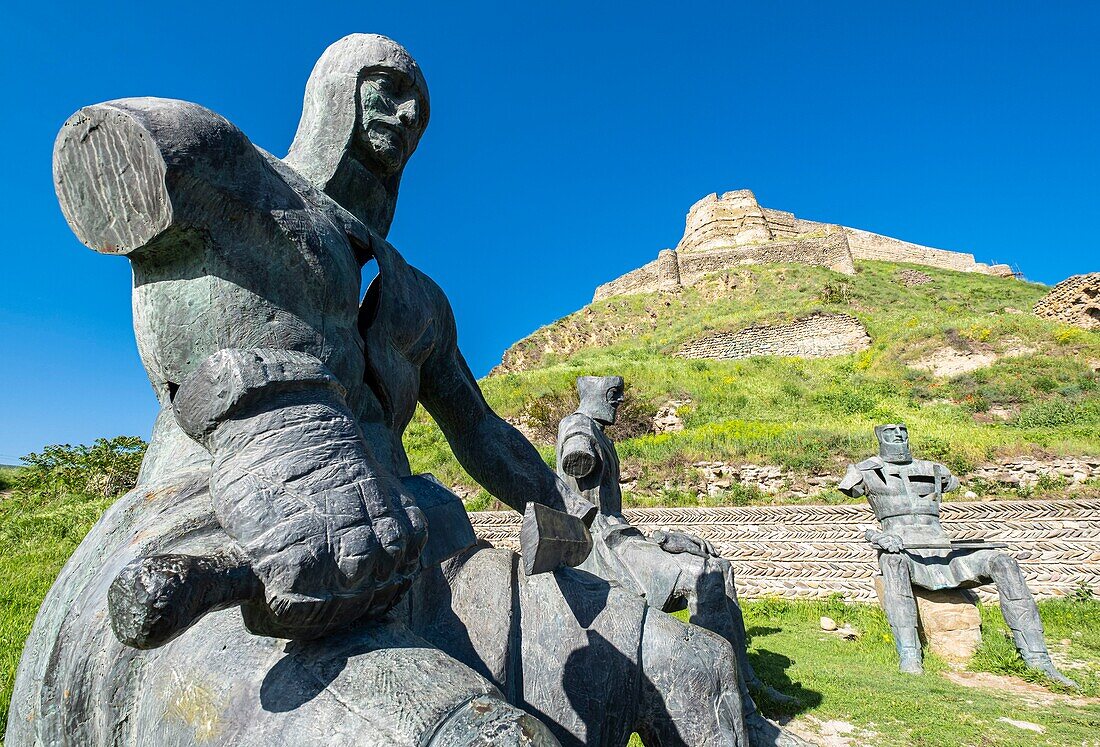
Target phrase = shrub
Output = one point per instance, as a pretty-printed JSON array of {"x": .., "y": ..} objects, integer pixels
[
  {"x": 108, "y": 467},
  {"x": 939, "y": 450},
  {"x": 837, "y": 293},
  {"x": 1050, "y": 414},
  {"x": 1069, "y": 335},
  {"x": 541, "y": 416}
]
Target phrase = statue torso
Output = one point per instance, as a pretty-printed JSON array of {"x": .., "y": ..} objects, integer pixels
[
  {"x": 601, "y": 487},
  {"x": 286, "y": 277},
  {"x": 906, "y": 497}
]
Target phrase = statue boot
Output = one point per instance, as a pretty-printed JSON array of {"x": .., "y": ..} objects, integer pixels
[{"x": 1022, "y": 615}]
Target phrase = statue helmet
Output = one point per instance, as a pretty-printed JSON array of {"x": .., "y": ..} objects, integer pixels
[
  {"x": 330, "y": 113},
  {"x": 597, "y": 397},
  {"x": 890, "y": 450}
]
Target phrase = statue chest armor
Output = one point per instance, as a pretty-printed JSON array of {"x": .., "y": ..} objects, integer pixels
[
  {"x": 281, "y": 278},
  {"x": 897, "y": 490}
]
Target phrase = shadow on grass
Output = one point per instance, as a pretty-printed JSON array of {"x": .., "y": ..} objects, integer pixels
[{"x": 771, "y": 667}]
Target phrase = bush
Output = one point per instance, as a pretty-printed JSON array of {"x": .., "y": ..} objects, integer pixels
[
  {"x": 1055, "y": 413},
  {"x": 541, "y": 416},
  {"x": 107, "y": 468}
]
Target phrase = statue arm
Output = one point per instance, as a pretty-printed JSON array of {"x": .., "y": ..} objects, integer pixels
[
  {"x": 579, "y": 456},
  {"x": 327, "y": 531},
  {"x": 852, "y": 484},
  {"x": 950, "y": 481},
  {"x": 492, "y": 451}
]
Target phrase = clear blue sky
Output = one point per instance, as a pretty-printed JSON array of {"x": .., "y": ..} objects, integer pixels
[{"x": 567, "y": 141}]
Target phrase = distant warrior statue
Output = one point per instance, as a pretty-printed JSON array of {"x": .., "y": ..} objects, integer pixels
[
  {"x": 671, "y": 570},
  {"x": 278, "y": 576},
  {"x": 913, "y": 549}
]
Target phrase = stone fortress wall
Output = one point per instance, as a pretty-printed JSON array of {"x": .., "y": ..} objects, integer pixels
[
  {"x": 814, "y": 336},
  {"x": 1075, "y": 300},
  {"x": 807, "y": 552},
  {"x": 732, "y": 230}
]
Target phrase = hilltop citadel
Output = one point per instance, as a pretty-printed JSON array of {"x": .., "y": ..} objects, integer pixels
[{"x": 732, "y": 230}]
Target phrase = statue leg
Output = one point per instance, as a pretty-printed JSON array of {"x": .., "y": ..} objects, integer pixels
[
  {"x": 711, "y": 596},
  {"x": 901, "y": 610},
  {"x": 1022, "y": 615},
  {"x": 689, "y": 688}
]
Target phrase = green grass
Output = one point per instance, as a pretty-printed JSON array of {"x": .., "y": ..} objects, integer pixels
[
  {"x": 858, "y": 681},
  {"x": 37, "y": 535},
  {"x": 813, "y": 415}
]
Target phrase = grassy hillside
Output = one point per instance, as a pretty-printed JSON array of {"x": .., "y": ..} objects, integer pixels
[{"x": 1039, "y": 397}]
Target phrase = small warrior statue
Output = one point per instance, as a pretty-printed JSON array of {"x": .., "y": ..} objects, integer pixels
[
  {"x": 913, "y": 549},
  {"x": 672, "y": 570}
]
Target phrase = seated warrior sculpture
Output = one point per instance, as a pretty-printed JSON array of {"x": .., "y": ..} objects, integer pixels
[
  {"x": 278, "y": 576},
  {"x": 671, "y": 570},
  {"x": 913, "y": 549}
]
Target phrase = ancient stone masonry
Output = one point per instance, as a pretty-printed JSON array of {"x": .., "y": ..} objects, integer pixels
[
  {"x": 814, "y": 551},
  {"x": 731, "y": 230},
  {"x": 1075, "y": 300},
  {"x": 815, "y": 336}
]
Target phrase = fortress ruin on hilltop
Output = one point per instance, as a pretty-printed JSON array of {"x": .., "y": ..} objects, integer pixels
[{"x": 731, "y": 230}]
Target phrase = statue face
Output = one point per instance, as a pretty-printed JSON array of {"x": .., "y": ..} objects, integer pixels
[
  {"x": 614, "y": 398},
  {"x": 391, "y": 120},
  {"x": 601, "y": 397},
  {"x": 894, "y": 434}
]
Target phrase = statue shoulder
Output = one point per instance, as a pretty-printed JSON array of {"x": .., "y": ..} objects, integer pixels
[
  {"x": 926, "y": 467},
  {"x": 575, "y": 424},
  {"x": 871, "y": 463},
  {"x": 128, "y": 171}
]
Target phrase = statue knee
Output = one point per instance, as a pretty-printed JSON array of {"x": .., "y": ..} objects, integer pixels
[
  {"x": 1004, "y": 565},
  {"x": 894, "y": 565},
  {"x": 490, "y": 720}
]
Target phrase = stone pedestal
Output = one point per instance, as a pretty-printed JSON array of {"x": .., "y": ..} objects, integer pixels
[{"x": 948, "y": 621}]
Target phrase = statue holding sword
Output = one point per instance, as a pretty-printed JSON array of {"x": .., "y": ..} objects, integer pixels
[{"x": 913, "y": 549}]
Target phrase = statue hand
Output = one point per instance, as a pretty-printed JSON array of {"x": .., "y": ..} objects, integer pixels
[
  {"x": 337, "y": 552},
  {"x": 330, "y": 535},
  {"x": 886, "y": 542},
  {"x": 577, "y": 505},
  {"x": 682, "y": 542}
]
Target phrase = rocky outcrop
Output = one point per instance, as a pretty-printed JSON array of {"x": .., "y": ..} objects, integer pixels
[
  {"x": 949, "y": 622},
  {"x": 815, "y": 336},
  {"x": 1075, "y": 301},
  {"x": 913, "y": 278}
]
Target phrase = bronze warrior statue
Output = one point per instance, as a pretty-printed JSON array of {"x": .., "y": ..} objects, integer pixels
[
  {"x": 278, "y": 576},
  {"x": 913, "y": 549},
  {"x": 671, "y": 570}
]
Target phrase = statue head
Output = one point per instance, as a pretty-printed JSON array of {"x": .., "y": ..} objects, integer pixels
[
  {"x": 600, "y": 397},
  {"x": 366, "y": 106},
  {"x": 893, "y": 443}
]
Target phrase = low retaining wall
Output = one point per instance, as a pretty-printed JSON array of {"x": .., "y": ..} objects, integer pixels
[
  {"x": 814, "y": 336},
  {"x": 814, "y": 551}
]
